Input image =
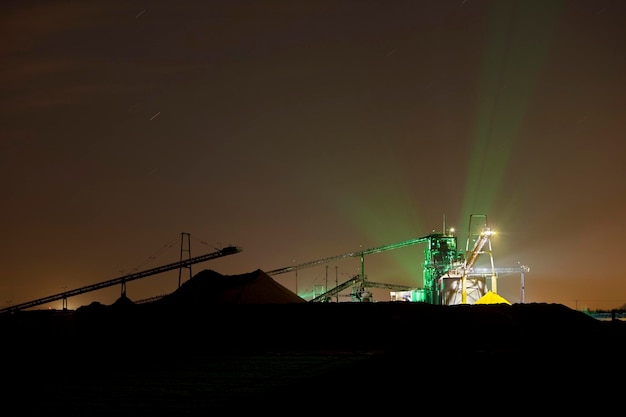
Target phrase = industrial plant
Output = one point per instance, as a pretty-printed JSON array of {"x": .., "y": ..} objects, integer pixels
[{"x": 451, "y": 275}]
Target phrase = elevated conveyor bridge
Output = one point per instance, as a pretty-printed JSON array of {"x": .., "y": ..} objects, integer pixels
[{"x": 229, "y": 250}]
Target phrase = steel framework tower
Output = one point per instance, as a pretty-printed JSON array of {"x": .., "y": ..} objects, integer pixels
[{"x": 182, "y": 251}]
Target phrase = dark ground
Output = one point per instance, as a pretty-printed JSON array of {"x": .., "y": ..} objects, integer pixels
[
  {"x": 316, "y": 357},
  {"x": 189, "y": 358}
]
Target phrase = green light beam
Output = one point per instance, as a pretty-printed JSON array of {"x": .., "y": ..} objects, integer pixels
[{"x": 518, "y": 37}]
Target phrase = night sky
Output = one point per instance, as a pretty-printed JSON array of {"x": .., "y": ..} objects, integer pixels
[{"x": 299, "y": 131}]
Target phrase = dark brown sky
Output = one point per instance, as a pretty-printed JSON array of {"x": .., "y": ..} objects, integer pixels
[{"x": 304, "y": 130}]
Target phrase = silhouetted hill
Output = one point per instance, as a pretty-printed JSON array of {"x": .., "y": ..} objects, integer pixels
[{"x": 209, "y": 288}]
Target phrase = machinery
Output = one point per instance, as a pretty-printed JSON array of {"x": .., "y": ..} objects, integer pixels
[
  {"x": 184, "y": 263},
  {"x": 450, "y": 275}
]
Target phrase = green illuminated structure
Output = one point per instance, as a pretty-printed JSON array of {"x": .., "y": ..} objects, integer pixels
[
  {"x": 440, "y": 257},
  {"x": 449, "y": 276}
]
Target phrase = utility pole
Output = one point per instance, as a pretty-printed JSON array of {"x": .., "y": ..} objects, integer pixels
[
  {"x": 326, "y": 285},
  {"x": 523, "y": 268},
  {"x": 294, "y": 261},
  {"x": 522, "y": 289},
  {"x": 336, "y": 284},
  {"x": 64, "y": 302}
]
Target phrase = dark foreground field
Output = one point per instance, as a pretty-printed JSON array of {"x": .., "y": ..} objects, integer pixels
[{"x": 180, "y": 358}]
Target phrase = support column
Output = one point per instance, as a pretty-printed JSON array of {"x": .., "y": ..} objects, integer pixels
[{"x": 182, "y": 250}]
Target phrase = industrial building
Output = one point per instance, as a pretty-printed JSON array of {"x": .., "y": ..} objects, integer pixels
[{"x": 450, "y": 275}]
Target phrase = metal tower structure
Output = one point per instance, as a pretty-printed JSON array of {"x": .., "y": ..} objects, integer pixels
[
  {"x": 440, "y": 257},
  {"x": 453, "y": 281},
  {"x": 183, "y": 250}
]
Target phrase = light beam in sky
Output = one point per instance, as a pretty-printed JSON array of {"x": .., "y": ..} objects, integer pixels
[{"x": 517, "y": 41}]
